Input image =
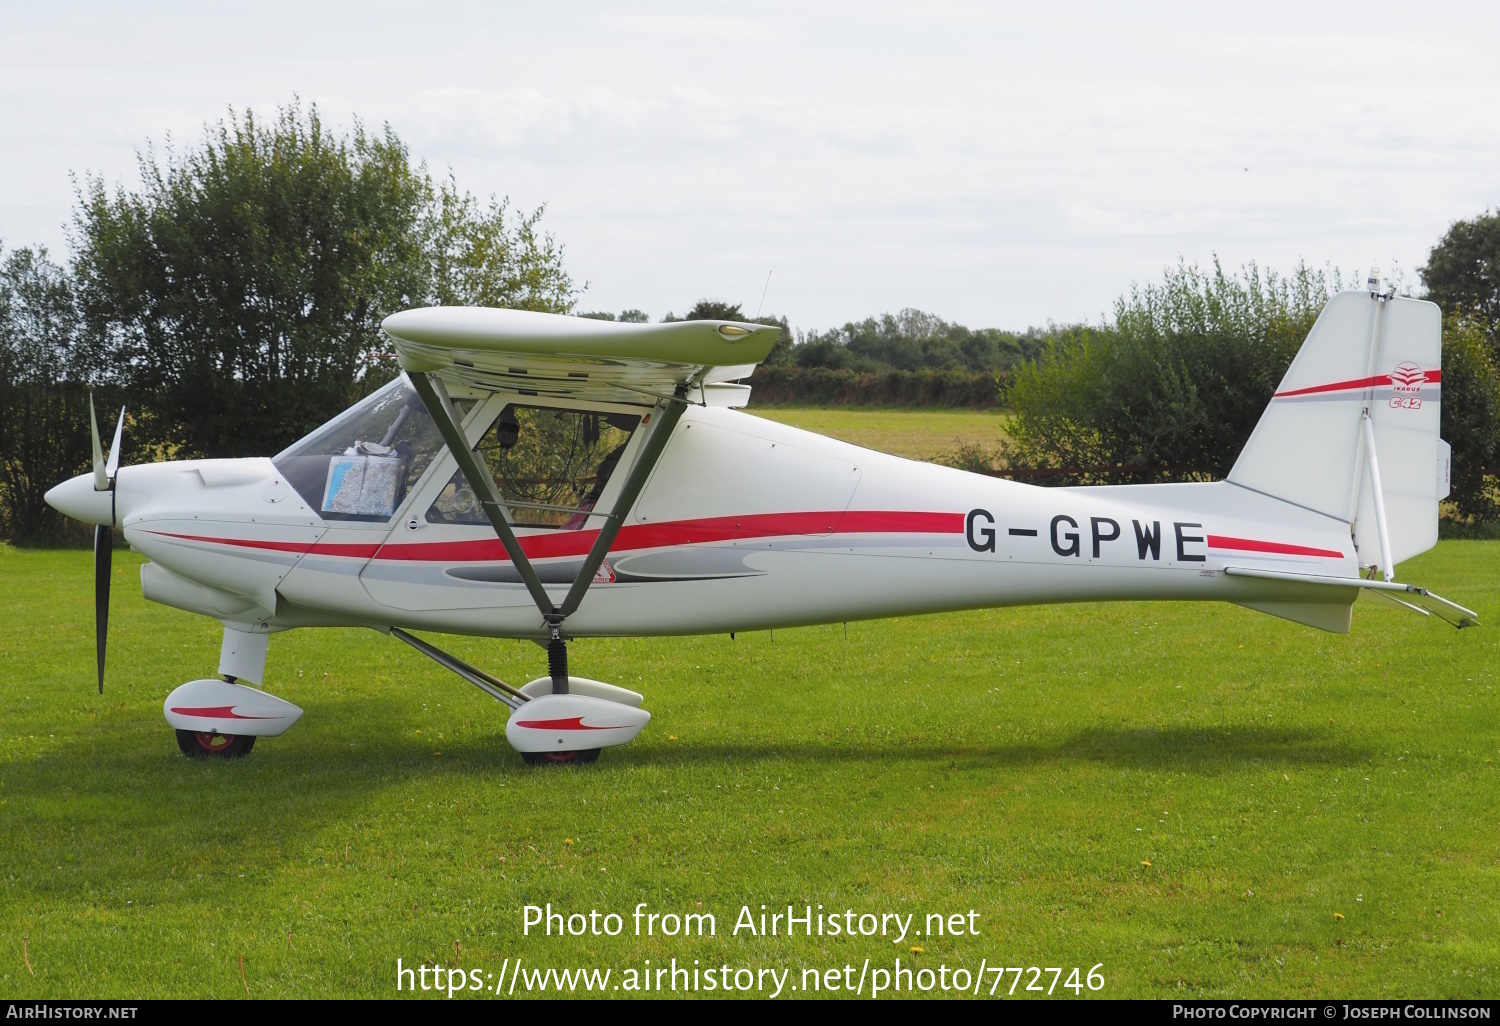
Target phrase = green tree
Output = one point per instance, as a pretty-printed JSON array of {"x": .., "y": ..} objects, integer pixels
[
  {"x": 239, "y": 292},
  {"x": 1462, "y": 276},
  {"x": 46, "y": 369},
  {"x": 631, "y": 316},
  {"x": 1462, "y": 273},
  {"x": 1471, "y": 417},
  {"x": 477, "y": 254},
  {"x": 718, "y": 310},
  {"x": 914, "y": 340},
  {"x": 714, "y": 310},
  {"x": 1172, "y": 388}
]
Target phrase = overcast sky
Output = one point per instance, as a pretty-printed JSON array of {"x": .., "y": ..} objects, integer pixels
[{"x": 999, "y": 165}]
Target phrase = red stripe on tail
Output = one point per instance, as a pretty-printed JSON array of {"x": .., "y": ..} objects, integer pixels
[{"x": 1219, "y": 541}]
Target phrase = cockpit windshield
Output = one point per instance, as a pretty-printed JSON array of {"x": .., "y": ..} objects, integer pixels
[{"x": 360, "y": 465}]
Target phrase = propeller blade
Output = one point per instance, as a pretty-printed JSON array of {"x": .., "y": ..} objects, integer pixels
[
  {"x": 113, "y": 463},
  {"x": 101, "y": 478},
  {"x": 104, "y": 545}
]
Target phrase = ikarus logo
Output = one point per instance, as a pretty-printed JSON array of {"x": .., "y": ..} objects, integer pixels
[
  {"x": 1406, "y": 381},
  {"x": 1408, "y": 377}
]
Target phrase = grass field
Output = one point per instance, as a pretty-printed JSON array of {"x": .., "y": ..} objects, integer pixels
[
  {"x": 1027, "y": 764},
  {"x": 917, "y": 434}
]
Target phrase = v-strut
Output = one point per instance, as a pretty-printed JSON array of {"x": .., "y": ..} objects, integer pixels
[{"x": 435, "y": 397}]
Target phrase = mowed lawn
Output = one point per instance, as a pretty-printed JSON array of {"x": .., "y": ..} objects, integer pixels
[
  {"x": 917, "y": 434},
  {"x": 1027, "y": 764}
]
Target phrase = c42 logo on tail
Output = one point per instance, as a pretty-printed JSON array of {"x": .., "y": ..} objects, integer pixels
[{"x": 1407, "y": 380}]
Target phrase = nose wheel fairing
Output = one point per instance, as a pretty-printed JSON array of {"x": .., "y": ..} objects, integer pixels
[{"x": 213, "y": 706}]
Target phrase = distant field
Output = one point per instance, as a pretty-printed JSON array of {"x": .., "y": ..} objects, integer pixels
[
  {"x": 1208, "y": 801},
  {"x": 917, "y": 434}
]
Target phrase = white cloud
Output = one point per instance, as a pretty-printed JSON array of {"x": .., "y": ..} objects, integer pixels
[{"x": 998, "y": 165}]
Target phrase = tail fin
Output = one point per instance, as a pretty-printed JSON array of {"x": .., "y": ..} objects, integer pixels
[{"x": 1374, "y": 354}]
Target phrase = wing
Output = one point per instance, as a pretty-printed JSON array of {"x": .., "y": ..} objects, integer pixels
[{"x": 494, "y": 350}]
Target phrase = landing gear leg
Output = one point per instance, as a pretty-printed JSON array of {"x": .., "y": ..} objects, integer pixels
[
  {"x": 557, "y": 662},
  {"x": 544, "y": 724},
  {"x": 557, "y": 669}
]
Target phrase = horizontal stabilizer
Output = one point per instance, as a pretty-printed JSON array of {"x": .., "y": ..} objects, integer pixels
[
  {"x": 1408, "y": 595},
  {"x": 1333, "y": 617}
]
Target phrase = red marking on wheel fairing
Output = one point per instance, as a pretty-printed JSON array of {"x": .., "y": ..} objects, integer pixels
[
  {"x": 220, "y": 712},
  {"x": 571, "y": 723},
  {"x": 1428, "y": 377},
  {"x": 1219, "y": 541}
]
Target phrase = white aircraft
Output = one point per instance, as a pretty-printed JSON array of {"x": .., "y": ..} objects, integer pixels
[{"x": 547, "y": 477}]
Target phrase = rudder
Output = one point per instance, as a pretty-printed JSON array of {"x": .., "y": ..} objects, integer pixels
[{"x": 1368, "y": 351}]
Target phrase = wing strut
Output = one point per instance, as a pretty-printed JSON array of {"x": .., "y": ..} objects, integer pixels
[
  {"x": 629, "y": 492},
  {"x": 435, "y": 398},
  {"x": 492, "y": 686}
]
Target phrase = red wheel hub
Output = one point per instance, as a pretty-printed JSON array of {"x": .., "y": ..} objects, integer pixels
[{"x": 211, "y": 741}]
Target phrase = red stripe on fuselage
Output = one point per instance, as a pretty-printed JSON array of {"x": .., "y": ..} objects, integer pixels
[
  {"x": 1219, "y": 541},
  {"x": 686, "y": 532},
  {"x": 633, "y": 536},
  {"x": 301, "y": 548},
  {"x": 1430, "y": 377}
]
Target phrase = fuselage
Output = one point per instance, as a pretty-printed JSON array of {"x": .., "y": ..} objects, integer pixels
[{"x": 744, "y": 524}]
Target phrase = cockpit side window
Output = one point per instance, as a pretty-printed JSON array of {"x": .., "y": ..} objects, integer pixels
[
  {"x": 551, "y": 466},
  {"x": 359, "y": 466}
]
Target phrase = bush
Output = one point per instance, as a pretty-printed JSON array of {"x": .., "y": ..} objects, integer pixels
[
  {"x": 973, "y": 457},
  {"x": 913, "y": 340},
  {"x": 823, "y": 386},
  {"x": 1471, "y": 419},
  {"x": 1172, "y": 388}
]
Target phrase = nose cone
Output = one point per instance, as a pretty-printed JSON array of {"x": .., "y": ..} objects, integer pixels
[{"x": 76, "y": 498}]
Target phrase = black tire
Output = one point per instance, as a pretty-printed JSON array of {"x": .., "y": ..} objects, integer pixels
[
  {"x": 583, "y": 758},
  {"x": 213, "y": 745}
]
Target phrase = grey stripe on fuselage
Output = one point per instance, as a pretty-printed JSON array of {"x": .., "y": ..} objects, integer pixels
[{"x": 683, "y": 562}]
